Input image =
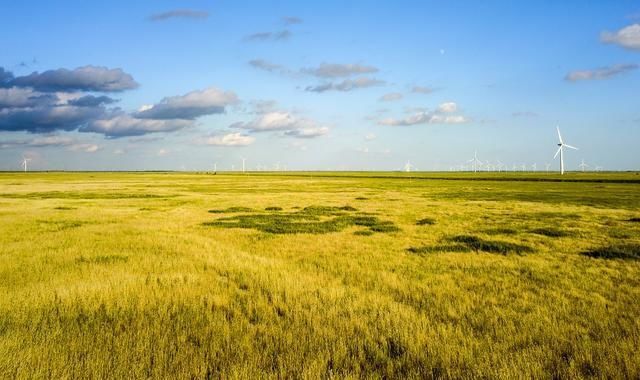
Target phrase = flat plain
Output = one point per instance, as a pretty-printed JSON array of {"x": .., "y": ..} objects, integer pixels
[{"x": 319, "y": 275}]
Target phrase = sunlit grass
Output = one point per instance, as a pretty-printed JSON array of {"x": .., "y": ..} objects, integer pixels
[{"x": 137, "y": 275}]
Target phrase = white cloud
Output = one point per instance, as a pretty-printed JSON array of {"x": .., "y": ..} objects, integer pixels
[
  {"x": 448, "y": 107},
  {"x": 441, "y": 116},
  {"x": 370, "y": 136},
  {"x": 87, "y": 148},
  {"x": 287, "y": 122},
  {"x": 422, "y": 90},
  {"x": 231, "y": 140},
  {"x": 191, "y": 105},
  {"x": 627, "y": 37},
  {"x": 346, "y": 85},
  {"x": 600, "y": 73},
  {"x": 125, "y": 125},
  {"x": 335, "y": 70}
]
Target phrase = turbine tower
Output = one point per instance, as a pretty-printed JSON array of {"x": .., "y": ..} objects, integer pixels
[
  {"x": 475, "y": 162},
  {"x": 561, "y": 146},
  {"x": 243, "y": 160},
  {"x": 24, "y": 163},
  {"x": 583, "y": 165},
  {"x": 408, "y": 166}
]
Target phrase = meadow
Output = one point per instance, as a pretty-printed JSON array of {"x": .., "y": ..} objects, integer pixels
[{"x": 319, "y": 275}]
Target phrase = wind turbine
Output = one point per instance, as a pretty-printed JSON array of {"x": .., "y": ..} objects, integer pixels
[
  {"x": 583, "y": 165},
  {"x": 547, "y": 166},
  {"x": 243, "y": 160},
  {"x": 408, "y": 166},
  {"x": 534, "y": 166},
  {"x": 475, "y": 162},
  {"x": 24, "y": 163},
  {"x": 561, "y": 146}
]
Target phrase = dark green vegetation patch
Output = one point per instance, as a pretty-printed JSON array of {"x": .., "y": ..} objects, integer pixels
[
  {"x": 494, "y": 246},
  {"x": 311, "y": 220},
  {"x": 634, "y": 220},
  {"x": 426, "y": 222},
  {"x": 231, "y": 210},
  {"x": 550, "y": 232},
  {"x": 629, "y": 251},
  {"x": 439, "y": 249},
  {"x": 361, "y": 198},
  {"x": 273, "y": 208},
  {"x": 501, "y": 231},
  {"x": 64, "y": 208}
]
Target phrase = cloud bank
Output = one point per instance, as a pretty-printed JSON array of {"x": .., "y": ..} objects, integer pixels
[{"x": 600, "y": 73}]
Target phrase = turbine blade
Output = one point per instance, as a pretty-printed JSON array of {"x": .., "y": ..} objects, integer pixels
[
  {"x": 571, "y": 147},
  {"x": 559, "y": 136},
  {"x": 558, "y": 151}
]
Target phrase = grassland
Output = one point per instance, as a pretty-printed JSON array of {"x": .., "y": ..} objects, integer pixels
[{"x": 319, "y": 275}]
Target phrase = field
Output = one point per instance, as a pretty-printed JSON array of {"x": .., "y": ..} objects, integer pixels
[{"x": 319, "y": 275}]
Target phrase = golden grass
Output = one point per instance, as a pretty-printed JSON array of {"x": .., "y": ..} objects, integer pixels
[{"x": 118, "y": 275}]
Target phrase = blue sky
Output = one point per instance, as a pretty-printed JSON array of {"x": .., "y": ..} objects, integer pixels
[{"x": 346, "y": 85}]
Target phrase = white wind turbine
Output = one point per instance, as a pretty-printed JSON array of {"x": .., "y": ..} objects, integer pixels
[
  {"x": 547, "y": 166},
  {"x": 243, "y": 160},
  {"x": 534, "y": 166},
  {"x": 24, "y": 163},
  {"x": 408, "y": 166},
  {"x": 561, "y": 146},
  {"x": 583, "y": 165},
  {"x": 475, "y": 162}
]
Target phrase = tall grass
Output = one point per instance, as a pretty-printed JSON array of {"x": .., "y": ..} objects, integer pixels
[{"x": 118, "y": 275}]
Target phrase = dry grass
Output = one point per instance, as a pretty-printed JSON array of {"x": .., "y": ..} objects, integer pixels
[{"x": 117, "y": 275}]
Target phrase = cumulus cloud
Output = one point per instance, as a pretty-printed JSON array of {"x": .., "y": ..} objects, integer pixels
[
  {"x": 448, "y": 107},
  {"x": 91, "y": 101},
  {"x": 231, "y": 140},
  {"x": 390, "y": 97},
  {"x": 87, "y": 148},
  {"x": 190, "y": 106},
  {"x": 269, "y": 36},
  {"x": 282, "y": 121},
  {"x": 346, "y": 85},
  {"x": 179, "y": 13},
  {"x": 442, "y": 115},
  {"x": 600, "y": 73},
  {"x": 336, "y": 70},
  {"x": 125, "y": 125},
  {"x": 627, "y": 37},
  {"x": 86, "y": 78},
  {"x": 308, "y": 132},
  {"x": 271, "y": 121},
  {"x": 45, "y": 119}
]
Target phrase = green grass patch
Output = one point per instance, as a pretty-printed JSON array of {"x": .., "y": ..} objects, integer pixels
[
  {"x": 550, "y": 232},
  {"x": 311, "y": 220},
  {"x": 493, "y": 246},
  {"x": 64, "y": 208},
  {"x": 501, "y": 231},
  {"x": 426, "y": 222},
  {"x": 362, "y": 198},
  {"x": 627, "y": 251},
  {"x": 634, "y": 220},
  {"x": 442, "y": 248},
  {"x": 273, "y": 208},
  {"x": 231, "y": 210}
]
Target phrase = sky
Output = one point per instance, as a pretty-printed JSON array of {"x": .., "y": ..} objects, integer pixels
[{"x": 332, "y": 85}]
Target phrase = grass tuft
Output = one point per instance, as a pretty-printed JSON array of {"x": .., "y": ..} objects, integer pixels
[
  {"x": 64, "y": 208},
  {"x": 628, "y": 251},
  {"x": 634, "y": 220},
  {"x": 231, "y": 210},
  {"x": 273, "y": 208}
]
